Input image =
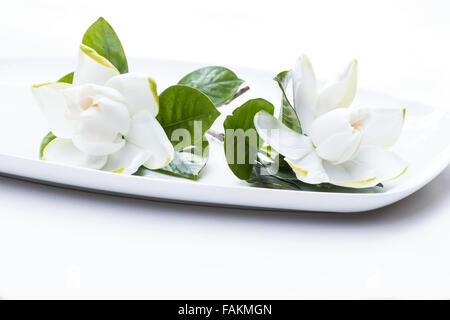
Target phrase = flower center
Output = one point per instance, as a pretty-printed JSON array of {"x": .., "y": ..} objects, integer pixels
[
  {"x": 358, "y": 124},
  {"x": 358, "y": 119},
  {"x": 87, "y": 102}
]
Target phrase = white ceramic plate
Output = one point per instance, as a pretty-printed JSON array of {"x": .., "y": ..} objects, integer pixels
[{"x": 425, "y": 144}]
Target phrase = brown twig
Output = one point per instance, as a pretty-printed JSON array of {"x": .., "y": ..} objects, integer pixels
[
  {"x": 218, "y": 135},
  {"x": 236, "y": 95}
]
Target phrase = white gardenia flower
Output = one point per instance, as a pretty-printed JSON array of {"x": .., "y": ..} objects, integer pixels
[
  {"x": 343, "y": 145},
  {"x": 105, "y": 120}
]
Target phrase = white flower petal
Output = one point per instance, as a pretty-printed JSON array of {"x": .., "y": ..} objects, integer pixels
[
  {"x": 386, "y": 164},
  {"x": 79, "y": 98},
  {"x": 341, "y": 92},
  {"x": 99, "y": 111},
  {"x": 333, "y": 122},
  {"x": 335, "y": 138},
  {"x": 93, "y": 68},
  {"x": 53, "y": 106},
  {"x": 95, "y": 137},
  {"x": 305, "y": 91},
  {"x": 340, "y": 147},
  {"x": 284, "y": 140},
  {"x": 139, "y": 92},
  {"x": 147, "y": 133},
  {"x": 309, "y": 169},
  {"x": 384, "y": 126},
  {"x": 351, "y": 174},
  {"x": 127, "y": 160},
  {"x": 115, "y": 114},
  {"x": 63, "y": 151}
]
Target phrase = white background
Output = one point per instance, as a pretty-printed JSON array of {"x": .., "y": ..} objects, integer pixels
[{"x": 58, "y": 243}]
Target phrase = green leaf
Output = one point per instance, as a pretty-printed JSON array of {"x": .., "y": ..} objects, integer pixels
[
  {"x": 68, "y": 78},
  {"x": 188, "y": 109},
  {"x": 218, "y": 83},
  {"x": 187, "y": 163},
  {"x": 267, "y": 154},
  {"x": 241, "y": 139},
  {"x": 101, "y": 37},
  {"x": 183, "y": 107},
  {"x": 286, "y": 179},
  {"x": 45, "y": 141},
  {"x": 288, "y": 116}
]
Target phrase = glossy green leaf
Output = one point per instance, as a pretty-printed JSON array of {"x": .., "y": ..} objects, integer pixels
[
  {"x": 101, "y": 37},
  {"x": 241, "y": 139},
  {"x": 285, "y": 179},
  {"x": 268, "y": 154},
  {"x": 218, "y": 83},
  {"x": 45, "y": 141},
  {"x": 68, "y": 78},
  {"x": 183, "y": 107},
  {"x": 187, "y": 163},
  {"x": 108, "y": 47},
  {"x": 288, "y": 115}
]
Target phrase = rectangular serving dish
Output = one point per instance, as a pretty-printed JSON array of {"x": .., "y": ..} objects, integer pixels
[{"x": 425, "y": 145}]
